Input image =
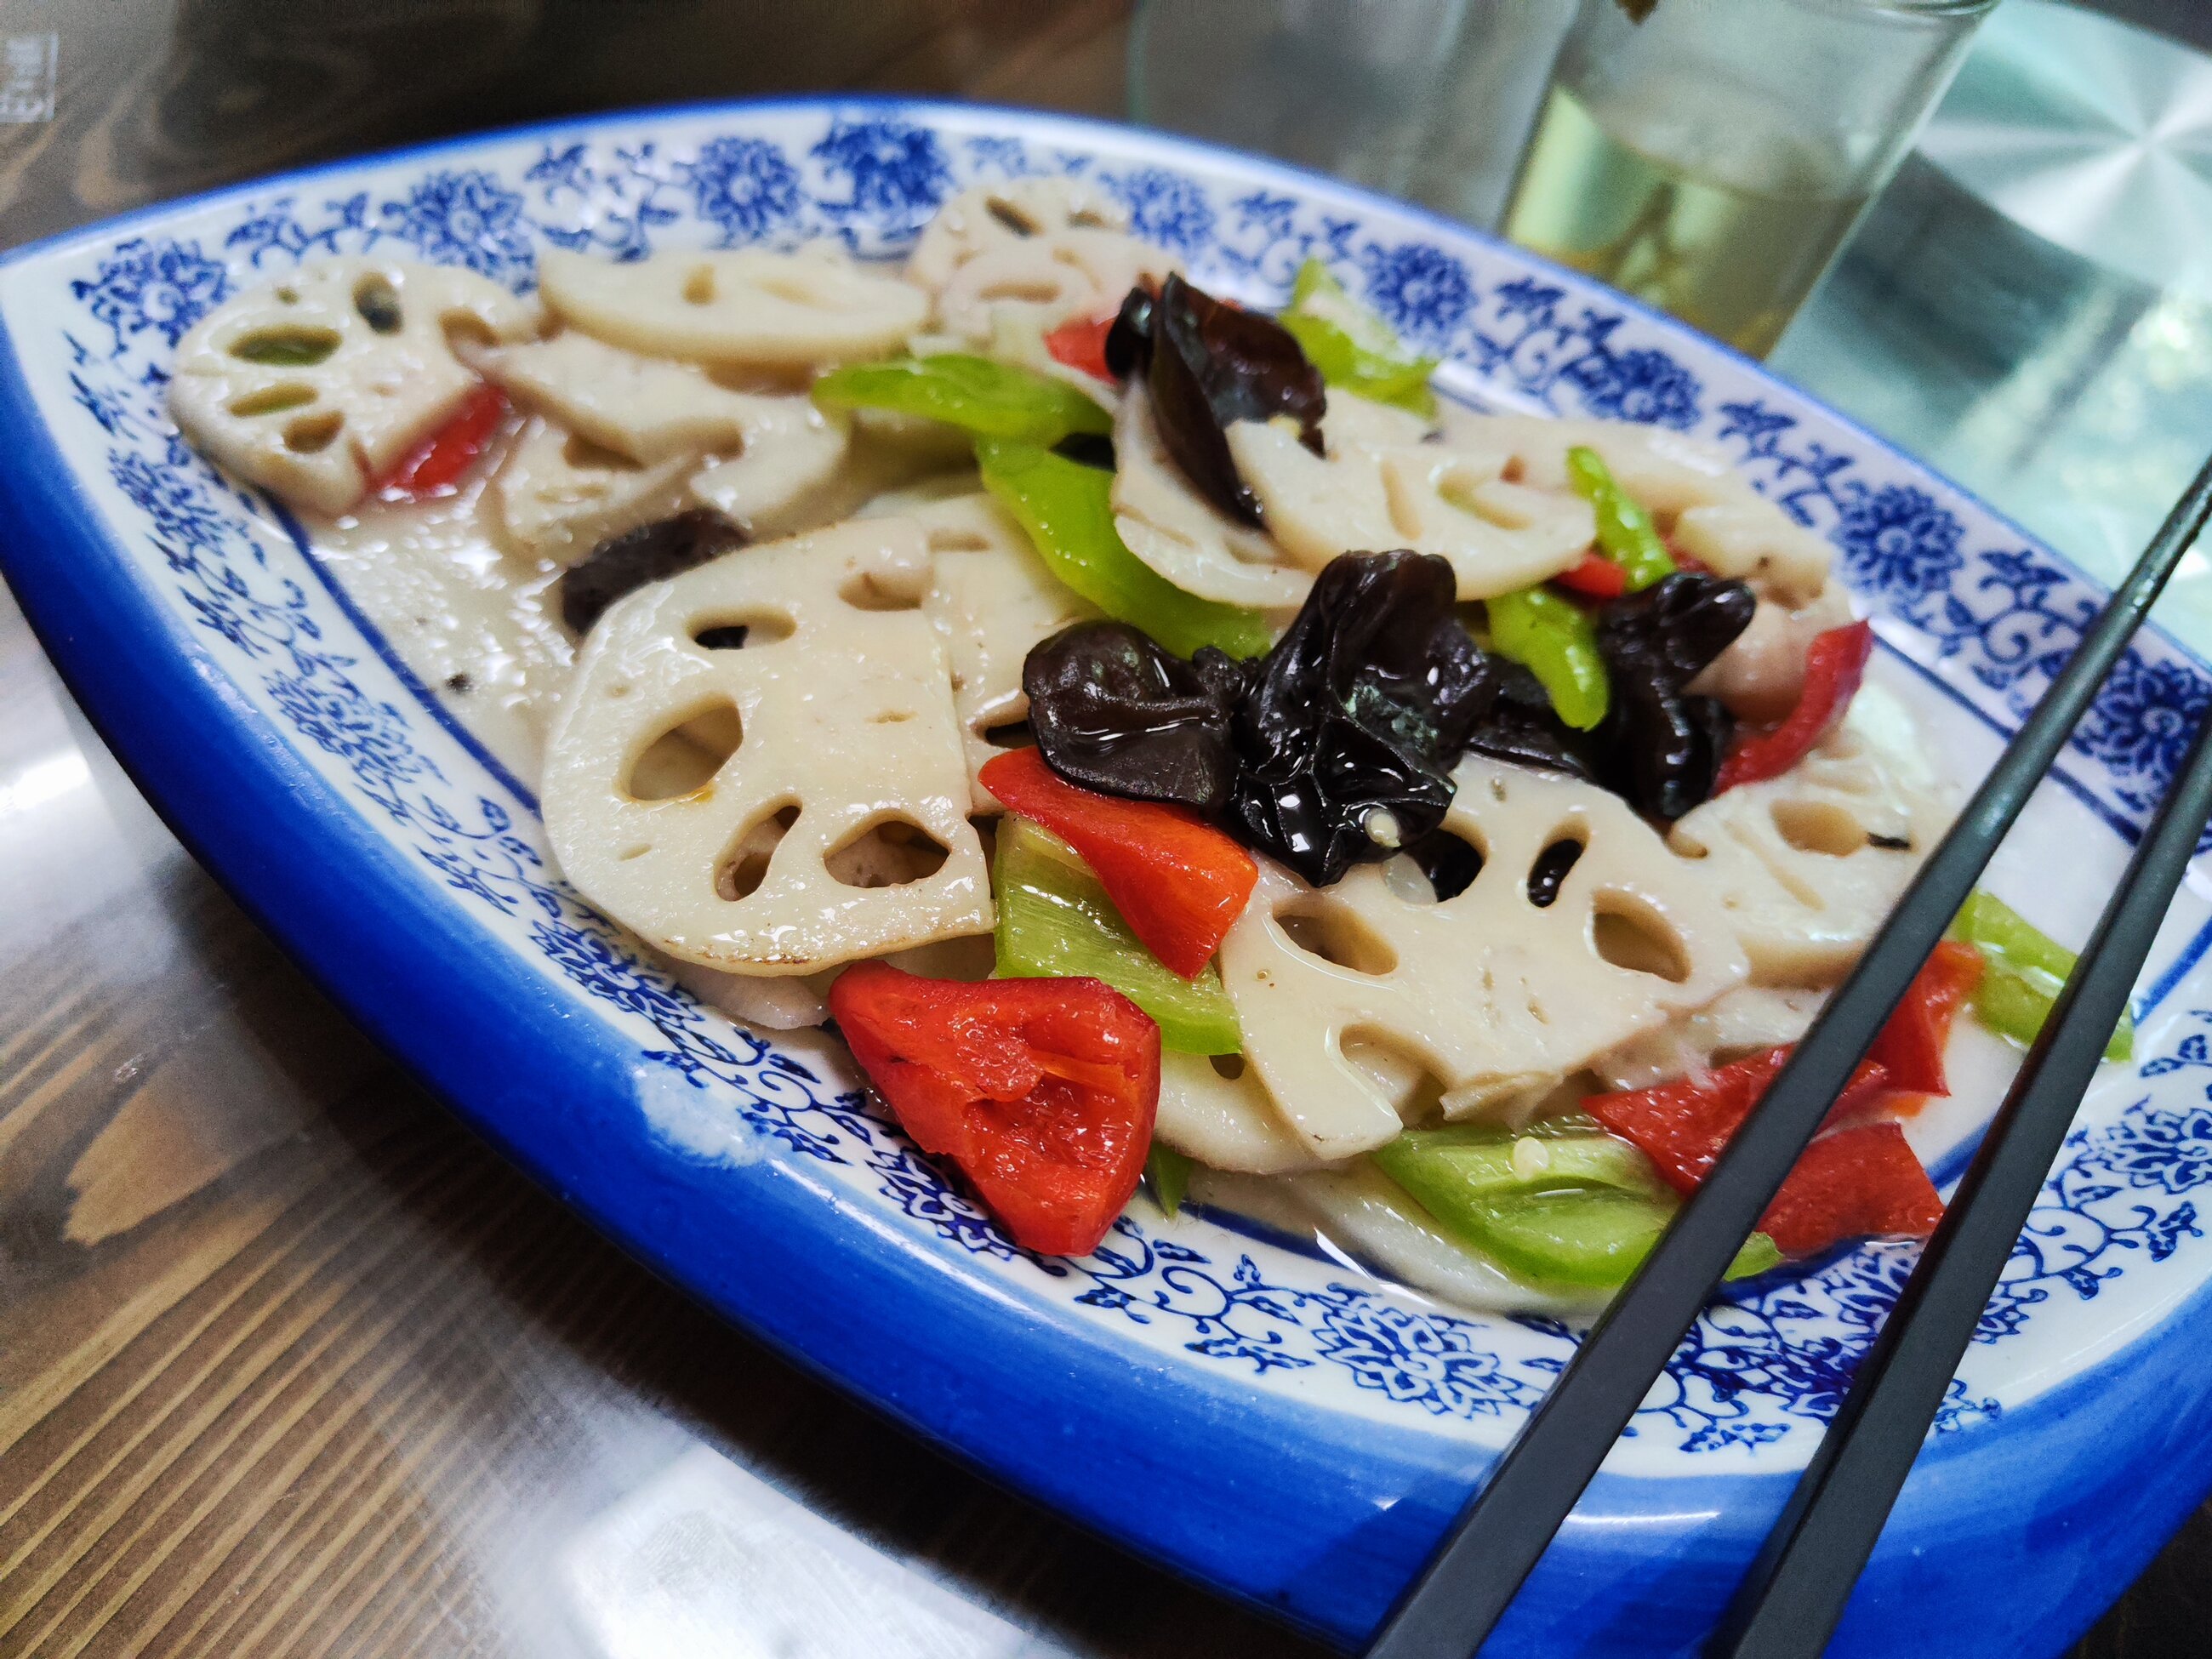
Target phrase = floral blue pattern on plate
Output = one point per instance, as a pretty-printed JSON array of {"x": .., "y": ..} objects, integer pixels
[{"x": 1264, "y": 1419}]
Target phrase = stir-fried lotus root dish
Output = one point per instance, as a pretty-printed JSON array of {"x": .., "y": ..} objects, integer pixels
[{"x": 1170, "y": 743}]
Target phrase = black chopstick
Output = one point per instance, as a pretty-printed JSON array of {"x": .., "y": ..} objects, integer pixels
[
  {"x": 1795, "y": 1594},
  {"x": 1452, "y": 1606}
]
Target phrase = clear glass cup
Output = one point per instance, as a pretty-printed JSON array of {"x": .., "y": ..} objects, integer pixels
[
  {"x": 1711, "y": 159},
  {"x": 1430, "y": 99}
]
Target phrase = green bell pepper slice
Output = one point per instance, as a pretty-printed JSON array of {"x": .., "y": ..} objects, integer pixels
[
  {"x": 1168, "y": 1173},
  {"x": 1560, "y": 1205},
  {"x": 1353, "y": 347},
  {"x": 1056, "y": 922},
  {"x": 1067, "y": 509},
  {"x": 1626, "y": 532},
  {"x": 1555, "y": 641},
  {"x": 990, "y": 399},
  {"x": 2024, "y": 969}
]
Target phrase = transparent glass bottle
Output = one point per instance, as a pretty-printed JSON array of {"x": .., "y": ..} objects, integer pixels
[{"x": 1711, "y": 159}]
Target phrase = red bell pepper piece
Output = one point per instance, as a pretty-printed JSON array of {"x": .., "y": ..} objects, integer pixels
[
  {"x": 1911, "y": 1047},
  {"x": 1857, "y": 1188},
  {"x": 1042, "y": 1090},
  {"x": 1869, "y": 1082},
  {"x": 1082, "y": 346},
  {"x": 1853, "y": 1182},
  {"x": 1177, "y": 881},
  {"x": 1596, "y": 576},
  {"x": 1835, "y": 663},
  {"x": 435, "y": 466},
  {"x": 1682, "y": 1126}
]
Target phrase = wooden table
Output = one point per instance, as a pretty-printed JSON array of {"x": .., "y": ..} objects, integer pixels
[{"x": 289, "y": 1364}]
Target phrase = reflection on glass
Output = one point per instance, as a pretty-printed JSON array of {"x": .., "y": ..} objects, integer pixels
[
  {"x": 2075, "y": 399},
  {"x": 1430, "y": 99}
]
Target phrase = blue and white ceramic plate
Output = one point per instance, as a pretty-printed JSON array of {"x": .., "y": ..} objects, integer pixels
[{"x": 1271, "y": 1423}]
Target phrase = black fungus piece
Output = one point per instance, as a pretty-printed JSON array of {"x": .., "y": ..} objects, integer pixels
[
  {"x": 1450, "y": 864},
  {"x": 650, "y": 553},
  {"x": 1209, "y": 365},
  {"x": 1522, "y": 728},
  {"x": 1676, "y": 626},
  {"x": 1113, "y": 711},
  {"x": 1129, "y": 341},
  {"x": 1087, "y": 449},
  {"x": 1550, "y": 870},
  {"x": 1347, "y": 738},
  {"x": 1661, "y": 749}
]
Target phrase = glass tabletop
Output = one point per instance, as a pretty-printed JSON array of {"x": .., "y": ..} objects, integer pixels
[{"x": 2028, "y": 305}]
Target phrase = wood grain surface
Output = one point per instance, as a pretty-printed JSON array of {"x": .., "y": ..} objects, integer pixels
[{"x": 289, "y": 1364}]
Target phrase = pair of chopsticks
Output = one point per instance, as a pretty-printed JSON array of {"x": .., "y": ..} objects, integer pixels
[{"x": 1796, "y": 1590}]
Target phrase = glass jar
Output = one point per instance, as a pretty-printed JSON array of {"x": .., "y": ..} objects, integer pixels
[{"x": 1711, "y": 159}]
